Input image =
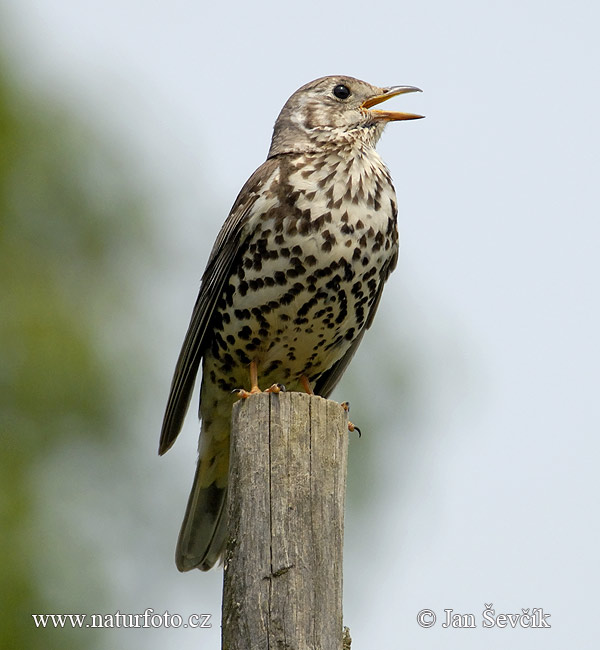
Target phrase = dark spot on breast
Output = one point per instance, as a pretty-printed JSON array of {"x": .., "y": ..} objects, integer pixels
[
  {"x": 229, "y": 292},
  {"x": 307, "y": 306},
  {"x": 304, "y": 226},
  {"x": 297, "y": 270},
  {"x": 334, "y": 283},
  {"x": 348, "y": 270},
  {"x": 242, "y": 356},
  {"x": 242, "y": 314},
  {"x": 329, "y": 195},
  {"x": 324, "y": 182},
  {"x": 228, "y": 362},
  {"x": 245, "y": 333},
  {"x": 291, "y": 198},
  {"x": 287, "y": 298},
  {"x": 324, "y": 272},
  {"x": 273, "y": 366}
]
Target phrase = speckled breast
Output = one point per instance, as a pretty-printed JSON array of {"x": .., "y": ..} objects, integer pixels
[{"x": 321, "y": 243}]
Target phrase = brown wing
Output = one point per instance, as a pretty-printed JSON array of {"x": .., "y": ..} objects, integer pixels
[
  {"x": 225, "y": 252},
  {"x": 328, "y": 380}
]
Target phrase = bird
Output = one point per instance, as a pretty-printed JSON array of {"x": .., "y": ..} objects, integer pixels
[{"x": 292, "y": 283}]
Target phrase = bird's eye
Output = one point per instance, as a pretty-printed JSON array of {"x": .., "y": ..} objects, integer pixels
[{"x": 341, "y": 91}]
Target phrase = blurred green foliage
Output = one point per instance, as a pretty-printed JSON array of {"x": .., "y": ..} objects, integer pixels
[{"x": 70, "y": 233}]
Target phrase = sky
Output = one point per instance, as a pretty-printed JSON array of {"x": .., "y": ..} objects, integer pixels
[{"x": 489, "y": 492}]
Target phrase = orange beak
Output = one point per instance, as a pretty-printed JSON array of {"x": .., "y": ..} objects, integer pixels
[{"x": 391, "y": 116}]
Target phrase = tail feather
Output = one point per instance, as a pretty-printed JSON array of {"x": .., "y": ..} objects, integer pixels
[
  {"x": 204, "y": 529},
  {"x": 202, "y": 537}
]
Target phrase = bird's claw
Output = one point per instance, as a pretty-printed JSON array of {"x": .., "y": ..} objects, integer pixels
[
  {"x": 276, "y": 388},
  {"x": 245, "y": 394},
  {"x": 351, "y": 427}
]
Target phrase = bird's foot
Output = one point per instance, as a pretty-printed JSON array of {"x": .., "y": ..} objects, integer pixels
[
  {"x": 351, "y": 427},
  {"x": 245, "y": 394},
  {"x": 276, "y": 388},
  {"x": 255, "y": 390}
]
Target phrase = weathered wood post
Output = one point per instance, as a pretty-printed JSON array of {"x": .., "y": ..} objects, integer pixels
[{"x": 287, "y": 485}]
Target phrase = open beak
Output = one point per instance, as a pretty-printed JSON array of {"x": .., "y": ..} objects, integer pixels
[{"x": 391, "y": 116}]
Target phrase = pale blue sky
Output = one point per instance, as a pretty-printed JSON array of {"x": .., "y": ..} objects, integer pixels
[{"x": 496, "y": 291}]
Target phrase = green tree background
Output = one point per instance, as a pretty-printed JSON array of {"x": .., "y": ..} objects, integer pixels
[{"x": 71, "y": 232}]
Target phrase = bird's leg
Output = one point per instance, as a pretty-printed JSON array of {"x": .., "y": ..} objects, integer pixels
[
  {"x": 254, "y": 377},
  {"x": 254, "y": 389},
  {"x": 306, "y": 385},
  {"x": 351, "y": 427}
]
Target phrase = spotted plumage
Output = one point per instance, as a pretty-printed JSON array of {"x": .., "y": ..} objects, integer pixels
[{"x": 293, "y": 280}]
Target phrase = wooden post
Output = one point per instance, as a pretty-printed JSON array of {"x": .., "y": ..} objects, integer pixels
[{"x": 287, "y": 485}]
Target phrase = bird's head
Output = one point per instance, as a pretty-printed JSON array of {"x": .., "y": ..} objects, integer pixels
[{"x": 334, "y": 110}]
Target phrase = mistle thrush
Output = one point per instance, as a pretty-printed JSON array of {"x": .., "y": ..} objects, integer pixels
[{"x": 292, "y": 283}]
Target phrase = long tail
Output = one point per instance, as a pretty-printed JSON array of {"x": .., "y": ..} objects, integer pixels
[{"x": 203, "y": 532}]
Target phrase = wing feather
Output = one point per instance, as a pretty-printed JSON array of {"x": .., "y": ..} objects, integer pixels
[{"x": 221, "y": 263}]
